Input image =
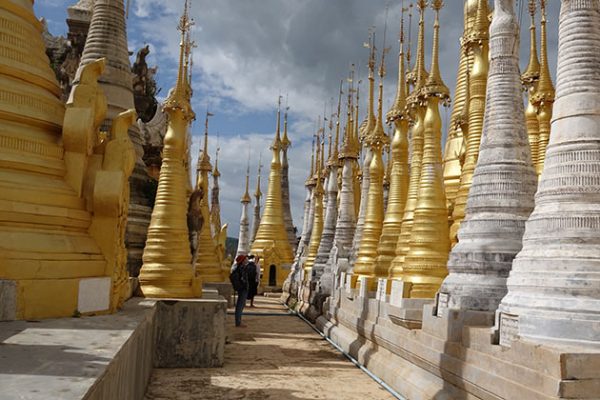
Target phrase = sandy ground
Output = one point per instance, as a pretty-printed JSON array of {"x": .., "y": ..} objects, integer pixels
[{"x": 275, "y": 357}]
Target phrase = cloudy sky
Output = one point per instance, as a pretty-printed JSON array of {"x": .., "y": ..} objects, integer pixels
[{"x": 250, "y": 51}]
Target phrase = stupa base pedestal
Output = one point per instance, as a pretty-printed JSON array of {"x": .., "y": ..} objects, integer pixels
[
  {"x": 191, "y": 333},
  {"x": 448, "y": 324},
  {"x": 405, "y": 311},
  {"x": 451, "y": 358},
  {"x": 224, "y": 289},
  {"x": 54, "y": 298}
]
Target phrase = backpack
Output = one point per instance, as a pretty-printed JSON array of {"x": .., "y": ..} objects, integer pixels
[{"x": 239, "y": 279}]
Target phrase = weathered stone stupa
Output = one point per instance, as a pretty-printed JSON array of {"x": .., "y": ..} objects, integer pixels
[
  {"x": 331, "y": 212},
  {"x": 244, "y": 235},
  {"x": 107, "y": 38},
  {"x": 504, "y": 182},
  {"x": 64, "y": 195},
  {"x": 553, "y": 285},
  {"x": 208, "y": 262}
]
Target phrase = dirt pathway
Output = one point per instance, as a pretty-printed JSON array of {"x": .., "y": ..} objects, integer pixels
[{"x": 275, "y": 357}]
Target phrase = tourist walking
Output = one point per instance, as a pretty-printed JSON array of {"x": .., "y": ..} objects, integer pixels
[
  {"x": 239, "y": 281},
  {"x": 253, "y": 277}
]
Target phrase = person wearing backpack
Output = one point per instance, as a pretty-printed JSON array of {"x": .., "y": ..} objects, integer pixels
[{"x": 239, "y": 281}]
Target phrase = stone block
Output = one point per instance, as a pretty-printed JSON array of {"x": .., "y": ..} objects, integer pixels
[
  {"x": 447, "y": 324},
  {"x": 211, "y": 294},
  {"x": 8, "y": 300},
  {"x": 190, "y": 333},
  {"x": 94, "y": 295},
  {"x": 366, "y": 287},
  {"x": 224, "y": 288},
  {"x": 408, "y": 312},
  {"x": 384, "y": 289}
]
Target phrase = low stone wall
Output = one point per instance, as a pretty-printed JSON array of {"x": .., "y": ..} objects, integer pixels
[
  {"x": 110, "y": 356},
  {"x": 448, "y": 359}
]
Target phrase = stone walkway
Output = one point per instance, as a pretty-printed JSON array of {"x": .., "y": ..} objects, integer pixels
[{"x": 275, "y": 357}]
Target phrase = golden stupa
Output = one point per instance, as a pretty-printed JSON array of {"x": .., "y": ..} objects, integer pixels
[
  {"x": 376, "y": 140},
  {"x": 544, "y": 94},
  {"x": 65, "y": 195},
  {"x": 398, "y": 170},
  {"x": 530, "y": 79},
  {"x": 454, "y": 150},
  {"x": 417, "y": 76},
  {"x": 167, "y": 270},
  {"x": 271, "y": 242},
  {"x": 317, "y": 225},
  {"x": 424, "y": 265},
  {"x": 477, "y": 42}
]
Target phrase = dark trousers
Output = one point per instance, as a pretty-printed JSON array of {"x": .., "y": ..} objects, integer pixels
[{"x": 239, "y": 306}]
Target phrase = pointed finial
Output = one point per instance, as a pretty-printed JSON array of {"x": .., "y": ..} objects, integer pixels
[
  {"x": 532, "y": 72},
  {"x": 246, "y": 196},
  {"x": 419, "y": 75},
  {"x": 334, "y": 157},
  {"x": 379, "y": 137},
  {"x": 216, "y": 173},
  {"x": 545, "y": 91},
  {"x": 367, "y": 129},
  {"x": 312, "y": 162},
  {"x": 277, "y": 142},
  {"x": 285, "y": 141},
  {"x": 409, "y": 50},
  {"x": 179, "y": 97},
  {"x": 258, "y": 193},
  {"x": 204, "y": 158},
  {"x": 399, "y": 105},
  {"x": 435, "y": 85}
]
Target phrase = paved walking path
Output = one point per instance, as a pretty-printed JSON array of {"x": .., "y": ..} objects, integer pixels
[{"x": 275, "y": 357}]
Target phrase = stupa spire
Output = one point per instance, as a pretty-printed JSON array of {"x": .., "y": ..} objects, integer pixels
[
  {"x": 207, "y": 260},
  {"x": 215, "y": 206},
  {"x": 271, "y": 242},
  {"x": 543, "y": 98},
  {"x": 167, "y": 269},
  {"x": 454, "y": 150},
  {"x": 244, "y": 234},
  {"x": 425, "y": 263},
  {"x": 317, "y": 224},
  {"x": 257, "y": 197},
  {"x": 416, "y": 108},
  {"x": 367, "y": 251},
  {"x": 285, "y": 184},
  {"x": 399, "y": 173},
  {"x": 529, "y": 80}
]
